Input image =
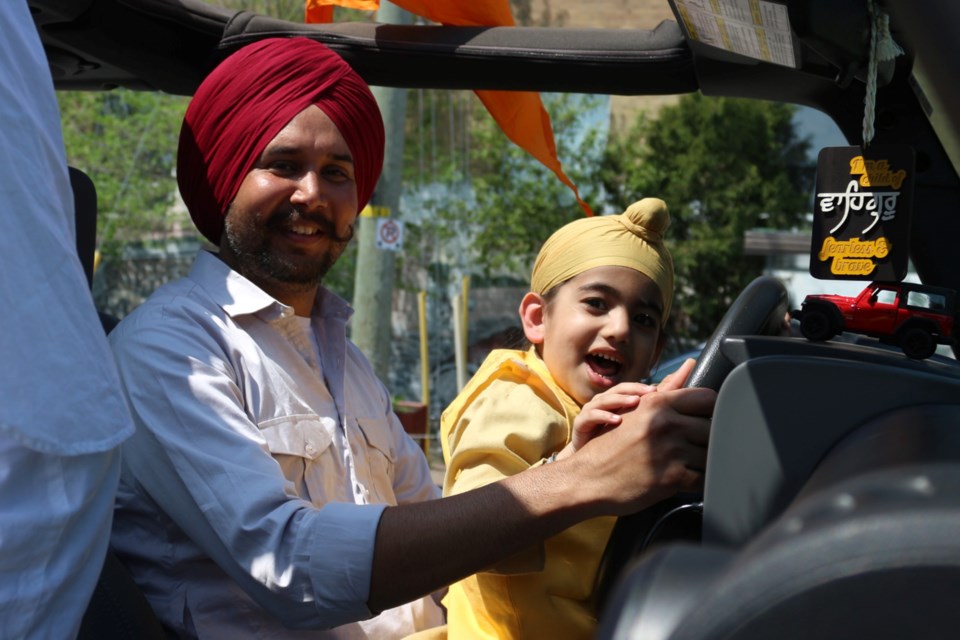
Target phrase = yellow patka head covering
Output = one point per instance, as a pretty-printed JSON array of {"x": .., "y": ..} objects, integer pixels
[{"x": 631, "y": 239}]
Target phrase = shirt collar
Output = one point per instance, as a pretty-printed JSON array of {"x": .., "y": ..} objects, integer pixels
[{"x": 238, "y": 296}]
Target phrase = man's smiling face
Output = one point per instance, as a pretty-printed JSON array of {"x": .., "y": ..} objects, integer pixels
[{"x": 294, "y": 212}]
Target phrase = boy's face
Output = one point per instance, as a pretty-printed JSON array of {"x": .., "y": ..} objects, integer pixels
[{"x": 600, "y": 328}]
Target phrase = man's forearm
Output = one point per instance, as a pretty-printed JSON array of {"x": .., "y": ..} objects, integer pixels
[
  {"x": 425, "y": 546},
  {"x": 659, "y": 449}
]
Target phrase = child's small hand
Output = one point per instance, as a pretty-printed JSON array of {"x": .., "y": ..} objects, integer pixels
[{"x": 603, "y": 413}]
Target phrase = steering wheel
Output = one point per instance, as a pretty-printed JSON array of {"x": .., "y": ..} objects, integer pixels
[{"x": 760, "y": 309}]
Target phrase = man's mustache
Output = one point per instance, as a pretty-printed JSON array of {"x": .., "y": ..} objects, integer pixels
[{"x": 327, "y": 227}]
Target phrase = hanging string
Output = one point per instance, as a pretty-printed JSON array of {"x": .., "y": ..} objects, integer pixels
[
  {"x": 433, "y": 133},
  {"x": 421, "y": 135},
  {"x": 465, "y": 105},
  {"x": 451, "y": 120},
  {"x": 882, "y": 48}
]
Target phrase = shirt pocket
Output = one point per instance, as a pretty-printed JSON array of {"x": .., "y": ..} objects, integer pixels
[
  {"x": 297, "y": 442},
  {"x": 379, "y": 458}
]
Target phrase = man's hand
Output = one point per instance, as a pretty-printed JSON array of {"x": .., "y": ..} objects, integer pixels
[
  {"x": 603, "y": 412},
  {"x": 658, "y": 449}
]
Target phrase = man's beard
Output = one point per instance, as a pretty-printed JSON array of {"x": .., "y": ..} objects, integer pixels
[{"x": 257, "y": 260}]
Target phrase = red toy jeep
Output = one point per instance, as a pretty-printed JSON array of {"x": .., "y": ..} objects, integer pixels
[{"x": 916, "y": 317}]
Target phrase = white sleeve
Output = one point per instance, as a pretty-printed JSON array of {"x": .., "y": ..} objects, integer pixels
[
  {"x": 57, "y": 366},
  {"x": 196, "y": 452}
]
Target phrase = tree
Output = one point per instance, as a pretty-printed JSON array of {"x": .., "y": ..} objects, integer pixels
[
  {"x": 723, "y": 166},
  {"x": 497, "y": 204},
  {"x": 126, "y": 141}
]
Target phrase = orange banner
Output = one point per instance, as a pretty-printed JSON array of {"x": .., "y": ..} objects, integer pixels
[
  {"x": 525, "y": 121},
  {"x": 320, "y": 11},
  {"x": 317, "y": 13}
]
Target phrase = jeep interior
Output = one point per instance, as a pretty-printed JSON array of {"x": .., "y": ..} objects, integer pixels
[{"x": 831, "y": 506}]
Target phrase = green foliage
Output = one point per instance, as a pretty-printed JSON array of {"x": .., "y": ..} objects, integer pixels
[
  {"x": 723, "y": 166},
  {"x": 126, "y": 141},
  {"x": 496, "y": 200}
]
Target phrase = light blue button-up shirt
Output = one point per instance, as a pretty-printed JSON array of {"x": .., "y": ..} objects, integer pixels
[{"x": 251, "y": 493}]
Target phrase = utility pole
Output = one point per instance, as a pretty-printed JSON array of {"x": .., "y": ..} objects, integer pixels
[{"x": 373, "y": 283}]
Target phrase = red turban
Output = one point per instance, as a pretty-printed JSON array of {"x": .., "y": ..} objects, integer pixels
[{"x": 245, "y": 102}]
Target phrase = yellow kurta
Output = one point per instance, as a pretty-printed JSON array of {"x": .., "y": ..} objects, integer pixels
[{"x": 512, "y": 416}]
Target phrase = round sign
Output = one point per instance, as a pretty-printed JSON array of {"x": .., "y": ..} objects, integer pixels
[{"x": 389, "y": 234}]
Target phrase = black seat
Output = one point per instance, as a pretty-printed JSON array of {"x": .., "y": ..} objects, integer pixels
[
  {"x": 117, "y": 609},
  {"x": 85, "y": 210}
]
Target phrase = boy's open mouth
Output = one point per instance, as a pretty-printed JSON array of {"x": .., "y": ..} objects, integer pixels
[{"x": 603, "y": 366}]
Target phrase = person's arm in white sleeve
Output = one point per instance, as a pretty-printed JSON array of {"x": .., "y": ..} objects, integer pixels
[{"x": 203, "y": 461}]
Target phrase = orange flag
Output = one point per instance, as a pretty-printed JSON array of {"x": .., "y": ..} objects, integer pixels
[
  {"x": 520, "y": 114},
  {"x": 318, "y": 13},
  {"x": 322, "y": 10}
]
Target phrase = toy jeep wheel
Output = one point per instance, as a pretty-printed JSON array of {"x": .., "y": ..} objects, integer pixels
[
  {"x": 816, "y": 325},
  {"x": 917, "y": 343}
]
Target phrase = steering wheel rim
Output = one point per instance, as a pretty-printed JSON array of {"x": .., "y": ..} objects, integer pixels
[{"x": 760, "y": 309}]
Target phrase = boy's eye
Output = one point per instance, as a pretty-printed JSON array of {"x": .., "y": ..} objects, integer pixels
[
  {"x": 645, "y": 320},
  {"x": 595, "y": 303}
]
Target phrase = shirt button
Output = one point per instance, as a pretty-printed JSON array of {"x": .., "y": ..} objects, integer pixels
[{"x": 310, "y": 449}]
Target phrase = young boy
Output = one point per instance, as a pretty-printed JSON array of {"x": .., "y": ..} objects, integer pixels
[{"x": 601, "y": 291}]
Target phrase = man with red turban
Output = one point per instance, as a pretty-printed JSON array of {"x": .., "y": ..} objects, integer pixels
[{"x": 269, "y": 488}]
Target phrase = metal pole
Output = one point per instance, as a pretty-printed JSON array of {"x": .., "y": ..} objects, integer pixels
[{"x": 373, "y": 282}]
